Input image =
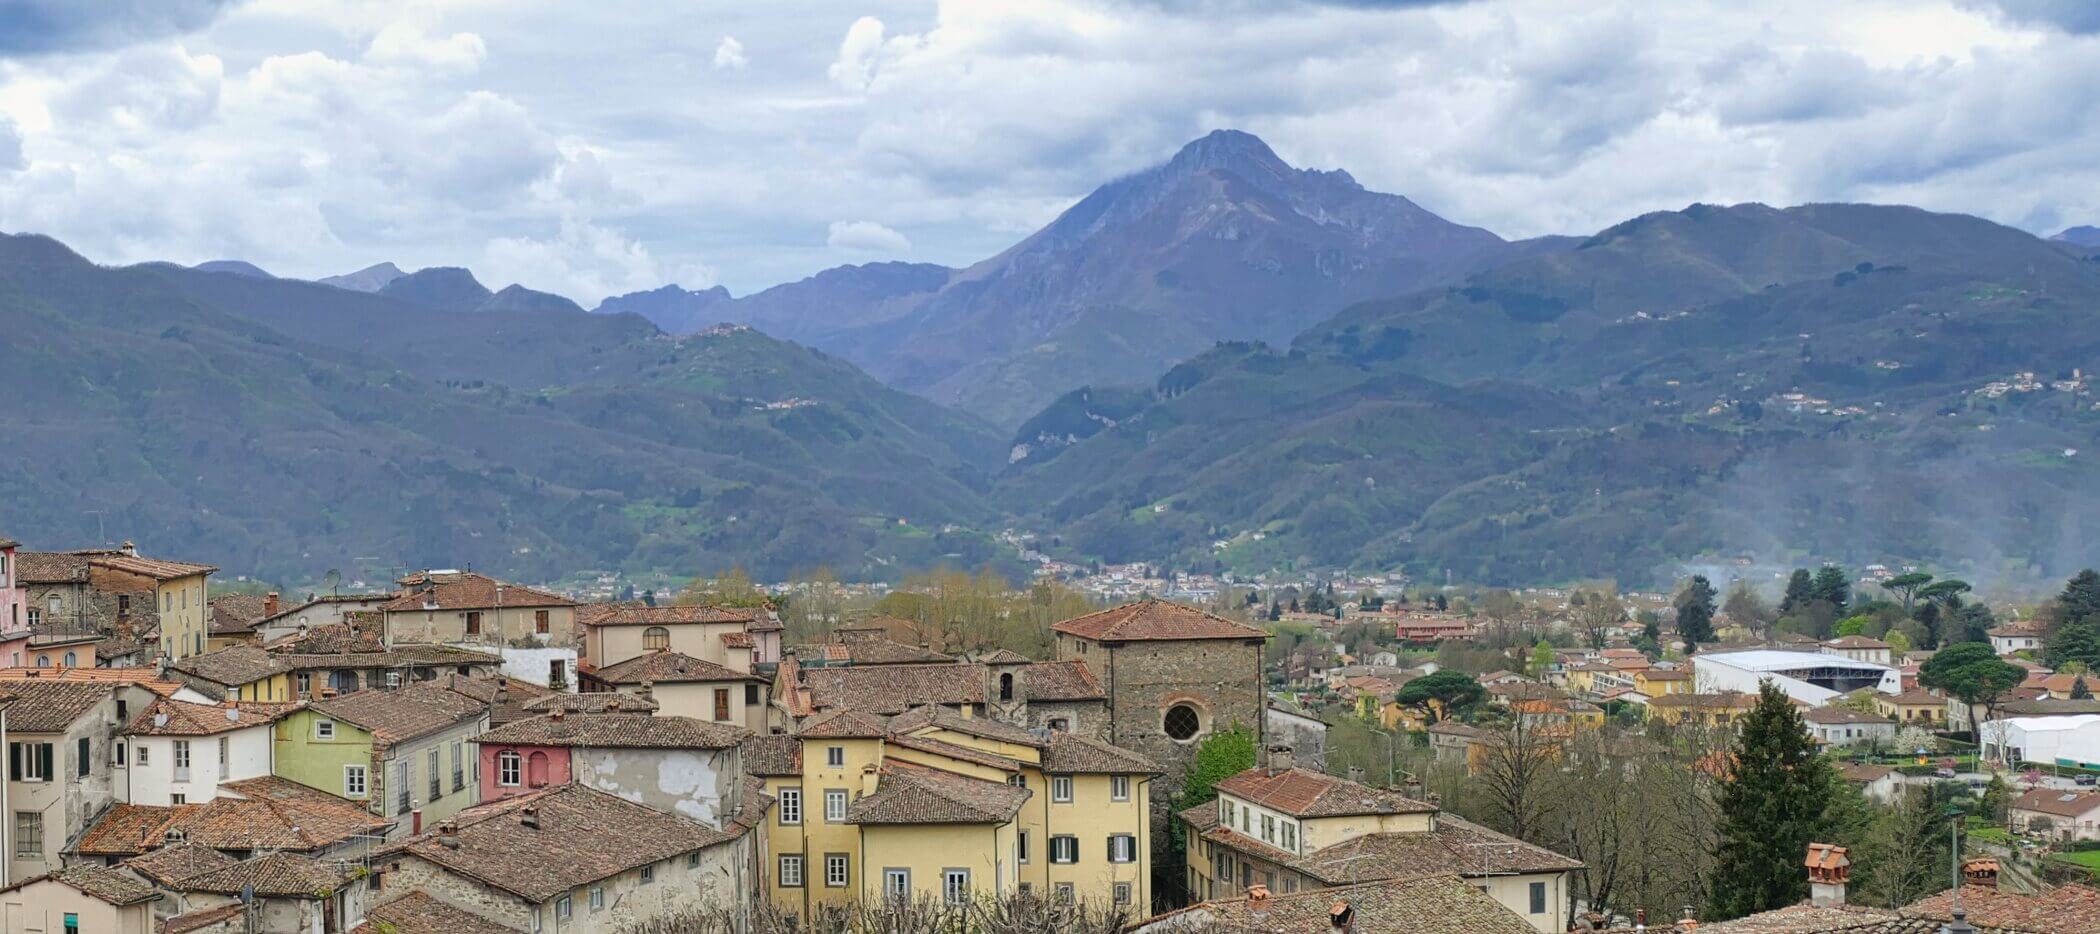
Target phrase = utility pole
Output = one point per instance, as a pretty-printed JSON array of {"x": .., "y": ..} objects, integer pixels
[{"x": 1960, "y": 924}]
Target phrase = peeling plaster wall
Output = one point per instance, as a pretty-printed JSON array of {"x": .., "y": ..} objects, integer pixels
[{"x": 698, "y": 784}]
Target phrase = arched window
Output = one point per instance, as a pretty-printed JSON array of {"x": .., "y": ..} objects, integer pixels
[
  {"x": 1006, "y": 685},
  {"x": 43, "y": 661},
  {"x": 1182, "y": 723},
  {"x": 510, "y": 769},
  {"x": 69, "y": 662},
  {"x": 656, "y": 637},
  {"x": 536, "y": 769},
  {"x": 343, "y": 680}
]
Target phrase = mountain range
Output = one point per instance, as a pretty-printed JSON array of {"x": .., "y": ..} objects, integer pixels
[{"x": 1223, "y": 362}]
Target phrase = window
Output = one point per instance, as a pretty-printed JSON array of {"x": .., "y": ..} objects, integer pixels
[
  {"x": 656, "y": 637},
  {"x": 81, "y": 753},
  {"x": 1268, "y": 829},
  {"x": 1064, "y": 889},
  {"x": 1006, "y": 686},
  {"x": 557, "y": 674},
  {"x": 955, "y": 886},
  {"x": 1061, "y": 789},
  {"x": 117, "y": 754},
  {"x": 1060, "y": 725},
  {"x": 751, "y": 694},
  {"x": 353, "y": 781},
  {"x": 1017, "y": 780},
  {"x": 896, "y": 883},
  {"x": 692, "y": 860},
  {"x": 790, "y": 872},
  {"x": 539, "y": 621},
  {"x": 836, "y": 869},
  {"x": 72, "y": 923},
  {"x": 303, "y": 682},
  {"x": 834, "y": 806},
  {"x": 1064, "y": 849},
  {"x": 437, "y": 783},
  {"x": 404, "y": 801},
  {"x": 1119, "y": 787},
  {"x": 459, "y": 770},
  {"x": 562, "y": 908},
  {"x": 1122, "y": 848},
  {"x": 36, "y": 616},
  {"x": 1290, "y": 836},
  {"x": 1538, "y": 898},
  {"x": 1122, "y": 893},
  {"x": 473, "y": 622},
  {"x": 648, "y": 874},
  {"x": 1290, "y": 883},
  {"x": 1021, "y": 847},
  {"x": 790, "y": 806},
  {"x": 142, "y": 751},
  {"x": 1181, "y": 723},
  {"x": 29, "y": 835},
  {"x": 597, "y": 897},
  {"x": 70, "y": 660},
  {"x": 323, "y": 730},
  {"x": 721, "y": 705},
  {"x": 835, "y": 756},
  {"x": 1225, "y": 808},
  {"x": 182, "y": 760}
]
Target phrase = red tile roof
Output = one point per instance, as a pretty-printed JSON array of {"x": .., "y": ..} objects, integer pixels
[
  {"x": 167, "y": 717},
  {"x": 1155, "y": 620},
  {"x": 641, "y": 614},
  {"x": 471, "y": 592},
  {"x": 1301, "y": 793}
]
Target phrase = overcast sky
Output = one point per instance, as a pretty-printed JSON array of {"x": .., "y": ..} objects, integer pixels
[{"x": 605, "y": 146}]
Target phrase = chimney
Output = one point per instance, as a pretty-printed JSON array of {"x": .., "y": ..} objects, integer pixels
[
  {"x": 270, "y": 603},
  {"x": 415, "y": 822},
  {"x": 1342, "y": 918},
  {"x": 1828, "y": 870},
  {"x": 129, "y": 548},
  {"x": 448, "y": 835},
  {"x": 1980, "y": 872},
  {"x": 1688, "y": 922},
  {"x": 870, "y": 779},
  {"x": 529, "y": 816},
  {"x": 1640, "y": 919},
  {"x": 1258, "y": 899},
  {"x": 1281, "y": 759},
  {"x": 502, "y": 689},
  {"x": 556, "y": 714}
]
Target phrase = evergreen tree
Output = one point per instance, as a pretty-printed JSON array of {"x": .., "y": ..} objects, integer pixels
[
  {"x": 1443, "y": 603},
  {"x": 1695, "y": 612},
  {"x": 1773, "y": 805},
  {"x": 1972, "y": 623},
  {"x": 2081, "y": 597},
  {"x": 1831, "y": 586},
  {"x": 1800, "y": 589},
  {"x": 2075, "y": 641},
  {"x": 2078, "y": 689}
]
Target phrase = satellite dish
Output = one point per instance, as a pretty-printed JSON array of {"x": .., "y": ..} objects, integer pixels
[{"x": 333, "y": 580}]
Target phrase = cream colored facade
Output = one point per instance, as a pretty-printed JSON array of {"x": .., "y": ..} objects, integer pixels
[
  {"x": 185, "y": 620},
  {"x": 612, "y": 644},
  {"x": 1009, "y": 857},
  {"x": 702, "y": 700},
  {"x": 44, "y": 907}
]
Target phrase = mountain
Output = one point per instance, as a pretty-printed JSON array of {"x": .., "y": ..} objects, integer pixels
[
  {"x": 671, "y": 308},
  {"x": 234, "y": 266},
  {"x": 2083, "y": 235},
  {"x": 369, "y": 279},
  {"x": 447, "y": 287},
  {"x": 1826, "y": 381},
  {"x": 1225, "y": 241},
  {"x": 285, "y": 427}
]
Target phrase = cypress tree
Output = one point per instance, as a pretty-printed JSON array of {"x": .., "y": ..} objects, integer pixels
[
  {"x": 1832, "y": 587},
  {"x": 1799, "y": 590},
  {"x": 1772, "y": 807},
  {"x": 1695, "y": 613},
  {"x": 2081, "y": 597}
]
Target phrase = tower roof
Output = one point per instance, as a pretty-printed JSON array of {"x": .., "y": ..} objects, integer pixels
[{"x": 1155, "y": 620}]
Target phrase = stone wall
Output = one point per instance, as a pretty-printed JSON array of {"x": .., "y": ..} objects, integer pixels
[{"x": 1219, "y": 678}]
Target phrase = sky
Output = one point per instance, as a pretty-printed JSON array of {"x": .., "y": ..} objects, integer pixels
[{"x": 605, "y": 147}]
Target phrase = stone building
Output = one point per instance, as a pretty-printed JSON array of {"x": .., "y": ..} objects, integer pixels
[{"x": 535, "y": 631}]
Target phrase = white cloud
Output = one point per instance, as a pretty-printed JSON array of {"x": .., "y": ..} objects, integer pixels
[
  {"x": 11, "y": 157},
  {"x": 407, "y": 41},
  {"x": 585, "y": 262},
  {"x": 729, "y": 54},
  {"x": 866, "y": 236},
  {"x": 854, "y": 69}
]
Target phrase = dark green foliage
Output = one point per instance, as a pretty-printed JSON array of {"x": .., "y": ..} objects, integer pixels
[
  {"x": 2077, "y": 641},
  {"x": 2078, "y": 689},
  {"x": 1441, "y": 694},
  {"x": 1972, "y": 623},
  {"x": 1221, "y": 756},
  {"x": 1695, "y": 611},
  {"x": 2081, "y": 596},
  {"x": 1773, "y": 805},
  {"x": 1799, "y": 590},
  {"x": 1971, "y": 673},
  {"x": 1905, "y": 586},
  {"x": 1833, "y": 587}
]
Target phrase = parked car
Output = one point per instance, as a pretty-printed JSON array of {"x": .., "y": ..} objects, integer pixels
[
  {"x": 2087, "y": 779},
  {"x": 1943, "y": 772}
]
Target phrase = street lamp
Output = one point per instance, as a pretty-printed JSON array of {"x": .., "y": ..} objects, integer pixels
[{"x": 1960, "y": 924}]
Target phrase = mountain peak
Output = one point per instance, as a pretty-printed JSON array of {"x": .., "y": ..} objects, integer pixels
[
  {"x": 1232, "y": 150},
  {"x": 369, "y": 279}
]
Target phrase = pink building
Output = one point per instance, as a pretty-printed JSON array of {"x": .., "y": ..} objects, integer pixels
[
  {"x": 14, "y": 615},
  {"x": 510, "y": 769}
]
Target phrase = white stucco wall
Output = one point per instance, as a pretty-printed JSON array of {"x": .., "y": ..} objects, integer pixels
[{"x": 248, "y": 754}]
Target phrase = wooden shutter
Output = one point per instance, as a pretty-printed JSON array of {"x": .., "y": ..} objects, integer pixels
[{"x": 14, "y": 762}]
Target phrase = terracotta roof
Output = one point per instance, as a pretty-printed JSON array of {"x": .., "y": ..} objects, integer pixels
[
  {"x": 936, "y": 716},
  {"x": 910, "y": 794},
  {"x": 667, "y": 667},
  {"x": 1728, "y": 700},
  {"x": 774, "y": 756},
  {"x": 167, "y": 717},
  {"x": 1071, "y": 752},
  {"x": 472, "y": 592},
  {"x": 1065, "y": 680},
  {"x": 843, "y": 723},
  {"x": 98, "y": 882},
  {"x": 2058, "y": 802},
  {"x": 954, "y": 751},
  {"x": 1454, "y": 846},
  {"x": 641, "y": 614},
  {"x": 259, "y": 813},
  {"x": 1301, "y": 793},
  {"x": 51, "y": 706},
  {"x": 202, "y": 918},
  {"x": 1862, "y": 772},
  {"x": 574, "y": 835},
  {"x": 181, "y": 861},
  {"x": 2069, "y": 909},
  {"x": 874, "y": 651},
  {"x": 274, "y": 875},
  {"x": 594, "y": 702},
  {"x": 331, "y": 638},
  {"x": 1441, "y": 904},
  {"x": 420, "y": 912},
  {"x": 231, "y": 666},
  {"x": 1856, "y": 642},
  {"x": 155, "y": 568},
  {"x": 1837, "y": 716},
  {"x": 617, "y": 730},
  {"x": 1004, "y": 657},
  {"x": 893, "y": 689},
  {"x": 233, "y": 613},
  {"x": 737, "y": 640},
  {"x": 395, "y": 715},
  {"x": 1912, "y": 698},
  {"x": 516, "y": 698},
  {"x": 399, "y": 656},
  {"x": 50, "y": 567},
  {"x": 1666, "y": 674},
  {"x": 1155, "y": 619}
]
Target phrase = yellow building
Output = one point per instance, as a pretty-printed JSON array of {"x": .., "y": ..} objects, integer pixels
[
  {"x": 1293, "y": 830},
  {"x": 179, "y": 594},
  {"x": 936, "y": 803},
  {"x": 1656, "y": 682},
  {"x": 1722, "y": 709},
  {"x": 1914, "y": 706},
  {"x": 241, "y": 672}
]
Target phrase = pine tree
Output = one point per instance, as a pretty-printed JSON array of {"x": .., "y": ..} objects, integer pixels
[
  {"x": 1773, "y": 806},
  {"x": 2076, "y": 641},
  {"x": 1695, "y": 612},
  {"x": 2078, "y": 689},
  {"x": 2081, "y": 597},
  {"x": 1800, "y": 589},
  {"x": 1832, "y": 587}
]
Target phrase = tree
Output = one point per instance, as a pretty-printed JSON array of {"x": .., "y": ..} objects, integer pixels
[
  {"x": 1831, "y": 586},
  {"x": 2075, "y": 641},
  {"x": 1972, "y": 623},
  {"x": 1695, "y": 612},
  {"x": 1516, "y": 763},
  {"x": 1221, "y": 756},
  {"x": 1800, "y": 588},
  {"x": 1441, "y": 694},
  {"x": 1773, "y": 806},
  {"x": 1899, "y": 644},
  {"x": 1971, "y": 673},
  {"x": 1541, "y": 659},
  {"x": 1907, "y": 851},
  {"x": 1596, "y": 614},
  {"x": 2081, "y": 597},
  {"x": 1905, "y": 586},
  {"x": 1945, "y": 594},
  {"x": 2078, "y": 689},
  {"x": 1746, "y": 608}
]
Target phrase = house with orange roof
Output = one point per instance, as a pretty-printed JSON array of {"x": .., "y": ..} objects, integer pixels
[{"x": 535, "y": 631}]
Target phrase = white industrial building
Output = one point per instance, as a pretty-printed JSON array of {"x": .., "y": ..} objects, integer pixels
[
  {"x": 1813, "y": 678},
  {"x": 2072, "y": 740}
]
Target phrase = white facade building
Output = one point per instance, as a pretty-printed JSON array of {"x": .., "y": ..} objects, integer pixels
[
  {"x": 1813, "y": 678},
  {"x": 180, "y": 753}
]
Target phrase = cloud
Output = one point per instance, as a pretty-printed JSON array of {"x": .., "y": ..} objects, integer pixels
[
  {"x": 147, "y": 89},
  {"x": 854, "y": 68},
  {"x": 866, "y": 236},
  {"x": 38, "y": 26},
  {"x": 405, "y": 41},
  {"x": 729, "y": 54},
  {"x": 585, "y": 262},
  {"x": 11, "y": 157},
  {"x": 2077, "y": 16}
]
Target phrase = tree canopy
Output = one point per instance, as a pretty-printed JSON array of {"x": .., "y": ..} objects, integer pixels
[
  {"x": 2074, "y": 641},
  {"x": 1773, "y": 806},
  {"x": 1695, "y": 612},
  {"x": 1441, "y": 694}
]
